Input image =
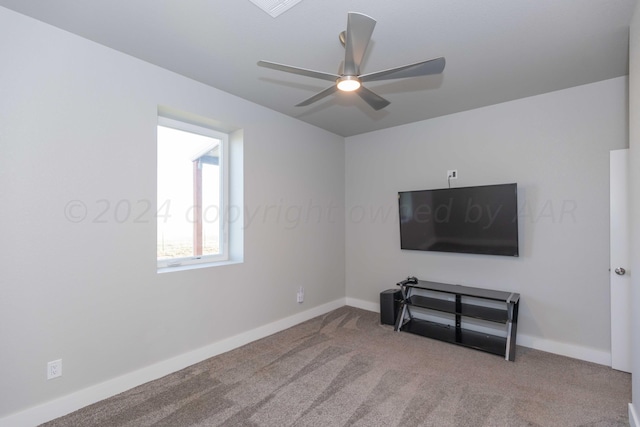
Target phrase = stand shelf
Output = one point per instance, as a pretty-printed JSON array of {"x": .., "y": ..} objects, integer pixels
[{"x": 498, "y": 308}]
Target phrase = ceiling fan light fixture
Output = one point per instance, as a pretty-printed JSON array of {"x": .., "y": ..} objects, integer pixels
[{"x": 348, "y": 83}]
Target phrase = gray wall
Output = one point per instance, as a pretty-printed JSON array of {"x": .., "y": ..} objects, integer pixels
[
  {"x": 634, "y": 167},
  {"x": 78, "y": 123},
  {"x": 556, "y": 147}
]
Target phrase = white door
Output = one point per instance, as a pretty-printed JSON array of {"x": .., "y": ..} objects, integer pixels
[{"x": 620, "y": 281}]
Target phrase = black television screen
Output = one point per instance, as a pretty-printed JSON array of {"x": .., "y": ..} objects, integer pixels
[{"x": 476, "y": 220}]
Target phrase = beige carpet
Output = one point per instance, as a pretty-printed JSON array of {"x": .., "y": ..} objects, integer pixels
[{"x": 345, "y": 369}]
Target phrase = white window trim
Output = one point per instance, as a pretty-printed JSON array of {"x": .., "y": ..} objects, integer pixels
[{"x": 172, "y": 264}]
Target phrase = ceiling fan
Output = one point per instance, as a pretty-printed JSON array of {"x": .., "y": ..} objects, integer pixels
[{"x": 355, "y": 40}]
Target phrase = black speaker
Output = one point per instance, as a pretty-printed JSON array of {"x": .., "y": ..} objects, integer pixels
[{"x": 389, "y": 306}]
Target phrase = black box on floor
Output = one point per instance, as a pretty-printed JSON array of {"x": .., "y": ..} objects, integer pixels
[{"x": 389, "y": 306}]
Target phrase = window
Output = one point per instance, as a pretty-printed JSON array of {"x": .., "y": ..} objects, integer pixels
[{"x": 192, "y": 194}]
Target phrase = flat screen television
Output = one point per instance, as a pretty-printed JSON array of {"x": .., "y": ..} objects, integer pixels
[{"x": 475, "y": 220}]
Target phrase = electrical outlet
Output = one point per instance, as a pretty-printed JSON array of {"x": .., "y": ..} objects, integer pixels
[
  {"x": 54, "y": 369},
  {"x": 300, "y": 295},
  {"x": 452, "y": 174}
]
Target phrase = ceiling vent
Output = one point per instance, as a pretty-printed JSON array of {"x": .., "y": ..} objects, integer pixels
[{"x": 275, "y": 7}]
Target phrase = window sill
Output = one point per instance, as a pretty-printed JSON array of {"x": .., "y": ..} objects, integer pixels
[{"x": 162, "y": 270}]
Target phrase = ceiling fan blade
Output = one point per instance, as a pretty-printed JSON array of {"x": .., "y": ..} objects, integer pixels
[
  {"x": 317, "y": 97},
  {"x": 359, "y": 30},
  {"x": 373, "y": 99},
  {"x": 297, "y": 70},
  {"x": 424, "y": 68}
]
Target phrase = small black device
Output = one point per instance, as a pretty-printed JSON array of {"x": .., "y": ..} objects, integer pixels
[
  {"x": 389, "y": 306},
  {"x": 409, "y": 280}
]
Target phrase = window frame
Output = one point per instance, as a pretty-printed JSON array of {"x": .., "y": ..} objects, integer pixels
[{"x": 223, "y": 137}]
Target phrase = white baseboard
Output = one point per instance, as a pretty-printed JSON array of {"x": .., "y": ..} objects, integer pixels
[
  {"x": 81, "y": 398},
  {"x": 634, "y": 421},
  {"x": 587, "y": 354},
  {"x": 365, "y": 305},
  {"x": 569, "y": 350}
]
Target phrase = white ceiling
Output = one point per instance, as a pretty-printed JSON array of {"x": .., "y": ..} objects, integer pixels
[{"x": 496, "y": 50}]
